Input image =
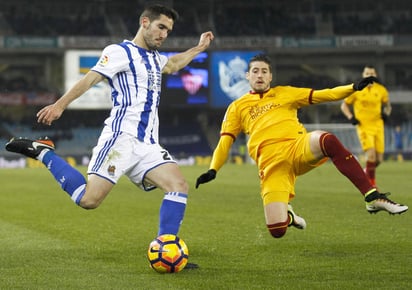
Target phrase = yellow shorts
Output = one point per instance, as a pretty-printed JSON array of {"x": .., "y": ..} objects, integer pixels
[
  {"x": 372, "y": 137},
  {"x": 280, "y": 163}
]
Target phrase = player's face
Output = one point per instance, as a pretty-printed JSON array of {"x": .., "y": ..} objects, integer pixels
[
  {"x": 259, "y": 76},
  {"x": 156, "y": 31},
  {"x": 369, "y": 72}
]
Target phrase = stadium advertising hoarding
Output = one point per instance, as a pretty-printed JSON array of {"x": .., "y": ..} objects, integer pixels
[
  {"x": 27, "y": 98},
  {"x": 189, "y": 86},
  {"x": 76, "y": 64},
  {"x": 365, "y": 40},
  {"x": 308, "y": 42},
  {"x": 228, "y": 76},
  {"x": 30, "y": 42}
]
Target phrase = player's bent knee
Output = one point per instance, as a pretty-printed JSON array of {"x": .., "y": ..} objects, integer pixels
[
  {"x": 177, "y": 186},
  {"x": 278, "y": 230},
  {"x": 89, "y": 203},
  {"x": 183, "y": 185}
]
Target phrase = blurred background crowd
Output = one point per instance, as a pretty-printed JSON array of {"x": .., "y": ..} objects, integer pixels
[{"x": 313, "y": 43}]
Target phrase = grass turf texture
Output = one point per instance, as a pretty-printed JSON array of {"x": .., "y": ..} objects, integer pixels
[{"x": 46, "y": 242}]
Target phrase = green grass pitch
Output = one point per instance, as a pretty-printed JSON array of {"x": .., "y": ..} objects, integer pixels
[{"x": 46, "y": 242}]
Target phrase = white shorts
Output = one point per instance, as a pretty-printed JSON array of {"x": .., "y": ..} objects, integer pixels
[{"x": 118, "y": 154}]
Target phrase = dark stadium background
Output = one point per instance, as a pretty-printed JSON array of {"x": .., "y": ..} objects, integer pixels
[{"x": 313, "y": 43}]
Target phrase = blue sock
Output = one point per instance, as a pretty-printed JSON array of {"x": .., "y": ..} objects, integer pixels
[
  {"x": 172, "y": 211},
  {"x": 70, "y": 180}
]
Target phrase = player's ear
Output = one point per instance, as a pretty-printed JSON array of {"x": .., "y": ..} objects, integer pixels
[{"x": 145, "y": 22}]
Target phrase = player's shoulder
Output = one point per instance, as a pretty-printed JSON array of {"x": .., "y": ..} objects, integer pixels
[
  {"x": 121, "y": 47},
  {"x": 114, "y": 48},
  {"x": 289, "y": 89}
]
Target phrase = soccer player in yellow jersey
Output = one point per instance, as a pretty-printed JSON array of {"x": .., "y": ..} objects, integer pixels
[
  {"x": 283, "y": 149},
  {"x": 371, "y": 106}
]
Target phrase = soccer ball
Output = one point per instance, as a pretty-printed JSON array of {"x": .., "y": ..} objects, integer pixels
[{"x": 168, "y": 254}]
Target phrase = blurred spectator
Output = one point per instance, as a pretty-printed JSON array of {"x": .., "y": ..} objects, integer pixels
[{"x": 398, "y": 139}]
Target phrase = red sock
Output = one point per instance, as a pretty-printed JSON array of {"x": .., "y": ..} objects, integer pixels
[
  {"x": 370, "y": 169},
  {"x": 278, "y": 230},
  {"x": 345, "y": 162}
]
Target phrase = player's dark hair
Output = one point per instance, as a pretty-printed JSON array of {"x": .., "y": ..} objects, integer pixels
[
  {"x": 153, "y": 12},
  {"x": 261, "y": 57}
]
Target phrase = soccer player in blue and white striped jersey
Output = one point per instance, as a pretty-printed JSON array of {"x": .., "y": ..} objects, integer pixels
[{"x": 128, "y": 144}]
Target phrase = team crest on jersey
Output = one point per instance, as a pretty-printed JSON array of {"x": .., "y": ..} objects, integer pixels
[
  {"x": 103, "y": 60},
  {"x": 111, "y": 170}
]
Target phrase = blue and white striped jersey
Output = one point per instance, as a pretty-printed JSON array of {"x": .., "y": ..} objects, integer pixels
[{"x": 135, "y": 76}]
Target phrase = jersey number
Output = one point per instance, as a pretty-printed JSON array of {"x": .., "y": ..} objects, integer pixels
[{"x": 166, "y": 155}]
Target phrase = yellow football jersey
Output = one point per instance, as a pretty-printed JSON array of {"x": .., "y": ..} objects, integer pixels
[
  {"x": 367, "y": 104},
  {"x": 272, "y": 116}
]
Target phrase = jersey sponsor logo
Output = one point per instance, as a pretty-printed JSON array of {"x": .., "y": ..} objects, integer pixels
[
  {"x": 256, "y": 111},
  {"x": 154, "y": 79}
]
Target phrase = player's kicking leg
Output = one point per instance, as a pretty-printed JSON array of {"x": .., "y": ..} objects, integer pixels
[
  {"x": 348, "y": 165},
  {"x": 42, "y": 149},
  {"x": 30, "y": 148},
  {"x": 376, "y": 201}
]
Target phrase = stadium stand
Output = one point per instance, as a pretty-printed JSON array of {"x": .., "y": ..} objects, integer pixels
[
  {"x": 76, "y": 131},
  {"x": 226, "y": 18}
]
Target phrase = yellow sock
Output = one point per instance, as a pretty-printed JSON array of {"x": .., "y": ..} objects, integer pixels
[{"x": 370, "y": 191}]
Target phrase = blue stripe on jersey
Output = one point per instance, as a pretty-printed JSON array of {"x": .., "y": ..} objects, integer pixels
[
  {"x": 126, "y": 101},
  {"x": 125, "y": 92},
  {"x": 144, "y": 117},
  {"x": 104, "y": 151},
  {"x": 156, "y": 58},
  {"x": 115, "y": 93}
]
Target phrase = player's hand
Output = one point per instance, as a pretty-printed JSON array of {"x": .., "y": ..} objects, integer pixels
[
  {"x": 205, "y": 39},
  {"x": 49, "y": 114},
  {"x": 354, "y": 121},
  {"x": 362, "y": 83},
  {"x": 206, "y": 177}
]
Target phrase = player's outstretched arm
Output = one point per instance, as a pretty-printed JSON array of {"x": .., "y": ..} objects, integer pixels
[
  {"x": 340, "y": 92},
  {"x": 53, "y": 112},
  {"x": 219, "y": 158},
  {"x": 180, "y": 60}
]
